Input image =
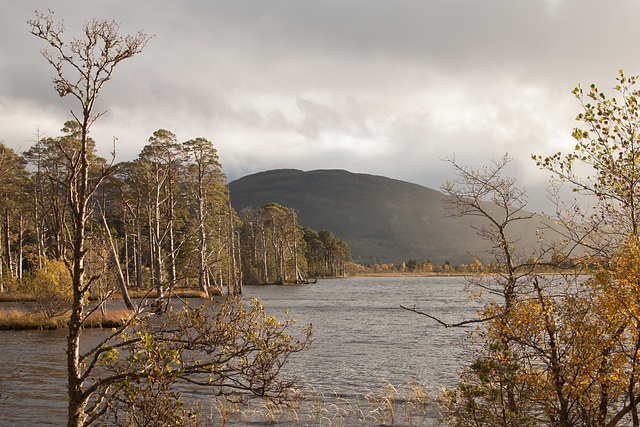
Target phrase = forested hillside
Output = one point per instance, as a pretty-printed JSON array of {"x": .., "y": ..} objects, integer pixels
[{"x": 383, "y": 220}]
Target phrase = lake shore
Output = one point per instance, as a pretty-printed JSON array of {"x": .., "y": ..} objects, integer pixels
[{"x": 16, "y": 320}]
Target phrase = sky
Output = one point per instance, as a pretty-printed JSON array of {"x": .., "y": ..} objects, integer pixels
[{"x": 380, "y": 87}]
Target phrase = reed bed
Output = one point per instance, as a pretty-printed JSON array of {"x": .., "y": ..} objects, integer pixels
[
  {"x": 410, "y": 404},
  {"x": 16, "y": 296},
  {"x": 182, "y": 293},
  {"x": 19, "y": 320}
]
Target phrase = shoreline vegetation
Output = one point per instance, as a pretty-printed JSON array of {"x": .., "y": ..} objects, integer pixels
[
  {"x": 17, "y": 320},
  {"x": 14, "y": 319}
]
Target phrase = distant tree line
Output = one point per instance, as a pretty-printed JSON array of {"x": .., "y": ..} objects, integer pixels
[
  {"x": 413, "y": 266},
  {"x": 275, "y": 249},
  {"x": 159, "y": 221}
]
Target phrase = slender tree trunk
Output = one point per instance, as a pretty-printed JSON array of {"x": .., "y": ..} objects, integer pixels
[
  {"x": 265, "y": 274},
  {"x": 138, "y": 248},
  {"x": 202, "y": 235},
  {"x": 232, "y": 251},
  {"x": 295, "y": 250},
  {"x": 157, "y": 248},
  {"x": 116, "y": 261},
  {"x": 79, "y": 199},
  {"x": 126, "y": 249},
  {"x": 7, "y": 242},
  {"x": 172, "y": 248},
  {"x": 20, "y": 246},
  {"x": 239, "y": 270}
]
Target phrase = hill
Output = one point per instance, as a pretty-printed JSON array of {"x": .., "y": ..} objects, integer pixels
[{"x": 383, "y": 220}]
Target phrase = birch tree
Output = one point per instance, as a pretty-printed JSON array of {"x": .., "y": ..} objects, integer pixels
[{"x": 82, "y": 67}]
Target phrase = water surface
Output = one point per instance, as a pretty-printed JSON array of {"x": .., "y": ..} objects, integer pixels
[{"x": 362, "y": 339}]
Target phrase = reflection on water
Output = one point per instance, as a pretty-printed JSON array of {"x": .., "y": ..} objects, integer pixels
[{"x": 362, "y": 340}]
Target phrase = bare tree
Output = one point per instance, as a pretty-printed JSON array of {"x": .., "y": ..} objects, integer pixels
[
  {"x": 498, "y": 203},
  {"x": 82, "y": 68}
]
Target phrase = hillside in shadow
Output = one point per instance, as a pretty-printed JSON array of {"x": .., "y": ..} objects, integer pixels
[{"x": 383, "y": 220}]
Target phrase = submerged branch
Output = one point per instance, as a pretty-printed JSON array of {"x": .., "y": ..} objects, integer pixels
[{"x": 448, "y": 325}]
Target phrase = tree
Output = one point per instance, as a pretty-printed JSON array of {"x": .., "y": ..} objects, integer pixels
[
  {"x": 129, "y": 376},
  {"x": 207, "y": 187},
  {"x": 566, "y": 351},
  {"x": 161, "y": 159},
  {"x": 604, "y": 164},
  {"x": 226, "y": 349},
  {"x": 82, "y": 68},
  {"x": 13, "y": 180},
  {"x": 499, "y": 204}
]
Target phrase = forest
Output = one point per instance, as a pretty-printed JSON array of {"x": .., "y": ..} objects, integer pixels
[{"x": 161, "y": 221}]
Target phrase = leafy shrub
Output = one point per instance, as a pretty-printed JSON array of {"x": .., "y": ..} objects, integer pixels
[{"x": 52, "y": 289}]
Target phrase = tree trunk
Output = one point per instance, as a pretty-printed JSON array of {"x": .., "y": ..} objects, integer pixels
[
  {"x": 7, "y": 243},
  {"x": 79, "y": 199},
  {"x": 157, "y": 248},
  {"x": 265, "y": 275},
  {"x": 172, "y": 245},
  {"x": 126, "y": 250},
  {"x": 202, "y": 235},
  {"x": 20, "y": 247},
  {"x": 116, "y": 261},
  {"x": 138, "y": 248},
  {"x": 232, "y": 251},
  {"x": 239, "y": 270}
]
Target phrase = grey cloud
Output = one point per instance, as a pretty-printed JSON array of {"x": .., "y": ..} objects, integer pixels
[{"x": 373, "y": 86}]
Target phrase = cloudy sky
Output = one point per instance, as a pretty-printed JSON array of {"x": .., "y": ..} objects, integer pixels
[{"x": 382, "y": 87}]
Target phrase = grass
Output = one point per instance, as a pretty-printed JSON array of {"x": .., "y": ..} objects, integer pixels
[
  {"x": 16, "y": 296},
  {"x": 12, "y": 319},
  {"x": 19, "y": 320},
  {"x": 181, "y": 292},
  {"x": 389, "y": 405}
]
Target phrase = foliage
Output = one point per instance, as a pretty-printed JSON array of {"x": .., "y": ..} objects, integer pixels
[
  {"x": 276, "y": 249},
  {"x": 565, "y": 350},
  {"x": 227, "y": 349},
  {"x": 52, "y": 288},
  {"x": 604, "y": 164}
]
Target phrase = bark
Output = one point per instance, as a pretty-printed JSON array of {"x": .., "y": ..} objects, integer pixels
[
  {"x": 157, "y": 246},
  {"x": 232, "y": 252},
  {"x": 79, "y": 200},
  {"x": 116, "y": 261},
  {"x": 202, "y": 243},
  {"x": 20, "y": 246},
  {"x": 7, "y": 243},
  {"x": 172, "y": 245}
]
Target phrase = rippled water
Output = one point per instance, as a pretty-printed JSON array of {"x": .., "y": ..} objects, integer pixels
[{"x": 362, "y": 340}]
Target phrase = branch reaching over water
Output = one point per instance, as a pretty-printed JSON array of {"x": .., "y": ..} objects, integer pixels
[{"x": 448, "y": 325}]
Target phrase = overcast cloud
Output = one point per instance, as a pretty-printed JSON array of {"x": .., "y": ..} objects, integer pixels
[{"x": 381, "y": 87}]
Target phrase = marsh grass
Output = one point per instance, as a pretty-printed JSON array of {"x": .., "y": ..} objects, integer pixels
[
  {"x": 19, "y": 320},
  {"x": 28, "y": 296},
  {"x": 16, "y": 297},
  {"x": 410, "y": 404},
  {"x": 180, "y": 292}
]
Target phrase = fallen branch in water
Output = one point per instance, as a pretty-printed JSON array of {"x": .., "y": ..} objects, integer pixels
[{"x": 447, "y": 325}]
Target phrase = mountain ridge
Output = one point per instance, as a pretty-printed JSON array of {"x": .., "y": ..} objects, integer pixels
[{"x": 384, "y": 220}]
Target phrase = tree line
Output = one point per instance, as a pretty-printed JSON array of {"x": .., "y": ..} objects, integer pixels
[
  {"x": 163, "y": 219},
  {"x": 414, "y": 266}
]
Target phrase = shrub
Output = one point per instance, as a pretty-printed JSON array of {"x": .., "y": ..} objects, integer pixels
[{"x": 51, "y": 287}]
